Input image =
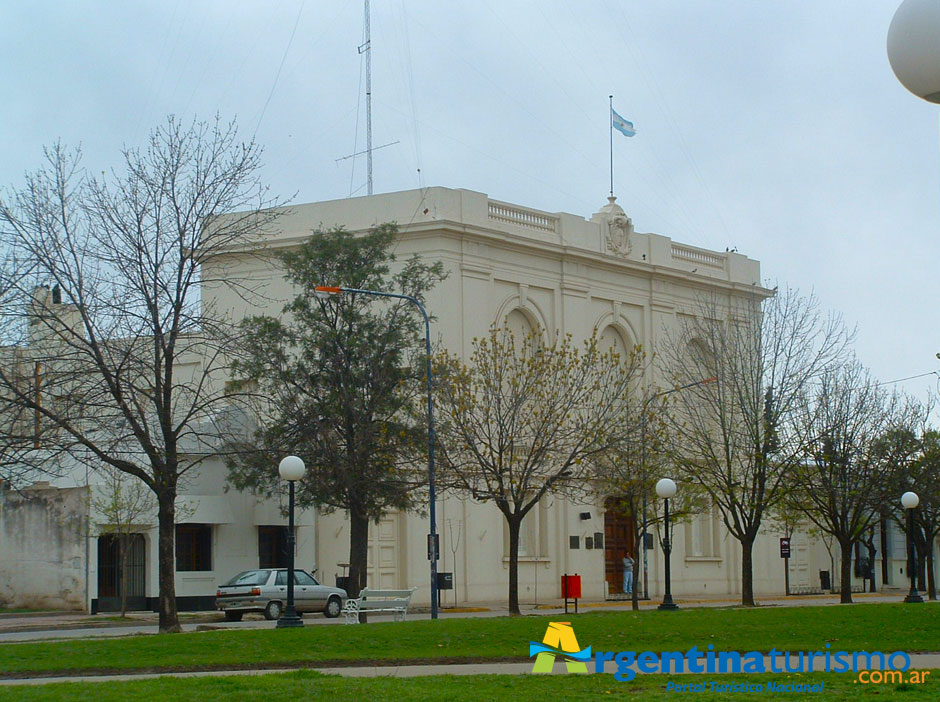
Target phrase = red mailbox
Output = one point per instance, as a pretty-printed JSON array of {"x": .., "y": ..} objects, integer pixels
[{"x": 571, "y": 590}]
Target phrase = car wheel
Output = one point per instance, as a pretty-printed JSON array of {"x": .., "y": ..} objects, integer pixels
[
  {"x": 273, "y": 610},
  {"x": 333, "y": 608},
  {"x": 231, "y": 616}
]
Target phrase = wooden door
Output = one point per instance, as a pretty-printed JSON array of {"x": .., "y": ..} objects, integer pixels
[{"x": 618, "y": 540}]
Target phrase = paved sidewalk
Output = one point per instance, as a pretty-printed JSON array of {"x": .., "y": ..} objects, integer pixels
[{"x": 919, "y": 661}]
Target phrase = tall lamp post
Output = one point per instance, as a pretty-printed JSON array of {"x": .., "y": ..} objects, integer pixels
[
  {"x": 291, "y": 469},
  {"x": 646, "y": 404},
  {"x": 909, "y": 501},
  {"x": 324, "y": 291},
  {"x": 666, "y": 488}
]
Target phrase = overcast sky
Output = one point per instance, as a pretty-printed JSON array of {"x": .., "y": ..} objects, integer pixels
[{"x": 777, "y": 128}]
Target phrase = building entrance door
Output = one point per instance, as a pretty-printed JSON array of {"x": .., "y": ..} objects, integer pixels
[{"x": 618, "y": 540}]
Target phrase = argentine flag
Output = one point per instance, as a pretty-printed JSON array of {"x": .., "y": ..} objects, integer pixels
[{"x": 622, "y": 125}]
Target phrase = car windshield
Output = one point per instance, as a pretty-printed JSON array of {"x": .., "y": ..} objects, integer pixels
[{"x": 249, "y": 577}]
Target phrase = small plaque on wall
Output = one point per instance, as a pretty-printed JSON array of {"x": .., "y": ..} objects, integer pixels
[
  {"x": 598, "y": 540},
  {"x": 574, "y": 542},
  {"x": 588, "y": 543}
]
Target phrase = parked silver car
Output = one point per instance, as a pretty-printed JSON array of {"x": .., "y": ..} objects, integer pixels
[{"x": 265, "y": 590}]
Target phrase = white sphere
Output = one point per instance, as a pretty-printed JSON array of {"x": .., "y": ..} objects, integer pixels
[
  {"x": 909, "y": 500},
  {"x": 914, "y": 47},
  {"x": 666, "y": 488},
  {"x": 291, "y": 468}
]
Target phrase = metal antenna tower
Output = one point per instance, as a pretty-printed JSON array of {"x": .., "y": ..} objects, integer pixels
[{"x": 366, "y": 48}]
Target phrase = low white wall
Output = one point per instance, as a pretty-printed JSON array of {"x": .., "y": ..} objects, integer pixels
[{"x": 42, "y": 548}]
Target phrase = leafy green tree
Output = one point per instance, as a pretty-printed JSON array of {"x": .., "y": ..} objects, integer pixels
[
  {"x": 522, "y": 419},
  {"x": 340, "y": 382}
]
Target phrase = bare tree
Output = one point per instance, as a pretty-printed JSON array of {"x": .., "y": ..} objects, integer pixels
[
  {"x": 124, "y": 361},
  {"x": 912, "y": 455},
  {"x": 732, "y": 436},
  {"x": 126, "y": 505},
  {"x": 841, "y": 482},
  {"x": 629, "y": 471},
  {"x": 522, "y": 420}
]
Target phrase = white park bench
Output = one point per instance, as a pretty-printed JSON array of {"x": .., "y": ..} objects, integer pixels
[{"x": 375, "y": 601}]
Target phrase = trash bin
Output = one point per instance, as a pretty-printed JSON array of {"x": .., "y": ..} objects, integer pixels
[
  {"x": 571, "y": 590},
  {"x": 342, "y": 582},
  {"x": 824, "y": 580},
  {"x": 571, "y": 587},
  {"x": 445, "y": 581}
]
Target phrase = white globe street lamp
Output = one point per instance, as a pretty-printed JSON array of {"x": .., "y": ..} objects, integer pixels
[
  {"x": 291, "y": 469},
  {"x": 914, "y": 48},
  {"x": 909, "y": 501},
  {"x": 666, "y": 488}
]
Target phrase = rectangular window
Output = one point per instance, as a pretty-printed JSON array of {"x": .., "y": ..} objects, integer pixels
[
  {"x": 272, "y": 546},
  {"x": 702, "y": 536},
  {"x": 193, "y": 547},
  {"x": 533, "y": 533}
]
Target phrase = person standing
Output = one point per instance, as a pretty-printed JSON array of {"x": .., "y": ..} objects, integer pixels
[{"x": 627, "y": 573}]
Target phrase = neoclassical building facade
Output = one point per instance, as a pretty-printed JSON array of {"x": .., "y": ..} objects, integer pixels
[
  {"x": 529, "y": 268},
  {"x": 506, "y": 264}
]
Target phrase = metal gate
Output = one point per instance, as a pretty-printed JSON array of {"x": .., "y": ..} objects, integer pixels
[{"x": 109, "y": 572}]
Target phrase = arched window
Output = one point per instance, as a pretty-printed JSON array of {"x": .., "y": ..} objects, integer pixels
[
  {"x": 518, "y": 324},
  {"x": 611, "y": 338},
  {"x": 521, "y": 327}
]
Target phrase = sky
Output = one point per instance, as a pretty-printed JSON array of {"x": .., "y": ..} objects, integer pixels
[{"x": 775, "y": 128}]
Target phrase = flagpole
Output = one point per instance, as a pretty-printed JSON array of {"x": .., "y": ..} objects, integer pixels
[{"x": 610, "y": 115}]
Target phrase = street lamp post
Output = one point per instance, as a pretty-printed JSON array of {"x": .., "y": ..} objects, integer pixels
[
  {"x": 643, "y": 416},
  {"x": 909, "y": 501},
  {"x": 291, "y": 469},
  {"x": 666, "y": 488},
  {"x": 325, "y": 291}
]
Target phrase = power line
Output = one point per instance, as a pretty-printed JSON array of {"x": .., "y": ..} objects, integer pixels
[{"x": 911, "y": 377}]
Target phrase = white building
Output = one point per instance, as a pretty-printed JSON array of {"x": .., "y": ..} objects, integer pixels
[{"x": 505, "y": 262}]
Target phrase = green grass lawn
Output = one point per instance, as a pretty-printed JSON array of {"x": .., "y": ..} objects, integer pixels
[
  {"x": 309, "y": 685},
  {"x": 884, "y": 627}
]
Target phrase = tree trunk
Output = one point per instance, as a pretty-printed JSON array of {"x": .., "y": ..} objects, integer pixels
[
  {"x": 166, "y": 516},
  {"x": 747, "y": 571},
  {"x": 123, "y": 546},
  {"x": 635, "y": 525},
  {"x": 358, "y": 554},
  {"x": 920, "y": 548},
  {"x": 884, "y": 550},
  {"x": 931, "y": 580},
  {"x": 514, "y": 526},
  {"x": 846, "y": 572}
]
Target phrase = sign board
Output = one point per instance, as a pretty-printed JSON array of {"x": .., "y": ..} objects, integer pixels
[
  {"x": 434, "y": 547},
  {"x": 784, "y": 548}
]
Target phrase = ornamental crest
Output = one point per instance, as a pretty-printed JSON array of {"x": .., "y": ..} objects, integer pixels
[{"x": 619, "y": 229}]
